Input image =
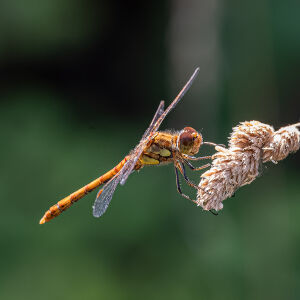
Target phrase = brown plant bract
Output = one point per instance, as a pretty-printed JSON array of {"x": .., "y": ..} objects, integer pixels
[{"x": 250, "y": 144}]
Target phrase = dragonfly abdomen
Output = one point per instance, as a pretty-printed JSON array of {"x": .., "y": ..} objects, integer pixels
[{"x": 65, "y": 203}]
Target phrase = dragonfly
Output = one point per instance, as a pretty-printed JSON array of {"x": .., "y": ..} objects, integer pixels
[{"x": 155, "y": 148}]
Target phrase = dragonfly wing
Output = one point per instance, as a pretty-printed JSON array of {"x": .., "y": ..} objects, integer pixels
[
  {"x": 176, "y": 100},
  {"x": 158, "y": 113},
  {"x": 128, "y": 168},
  {"x": 138, "y": 150},
  {"x": 104, "y": 196}
]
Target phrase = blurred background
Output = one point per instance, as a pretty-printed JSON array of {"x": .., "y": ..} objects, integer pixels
[{"x": 80, "y": 81}]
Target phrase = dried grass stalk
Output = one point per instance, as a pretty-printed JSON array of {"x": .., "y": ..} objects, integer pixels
[{"x": 250, "y": 144}]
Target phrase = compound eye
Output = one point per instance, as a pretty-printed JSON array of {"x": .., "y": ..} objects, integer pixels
[
  {"x": 190, "y": 130},
  {"x": 186, "y": 139}
]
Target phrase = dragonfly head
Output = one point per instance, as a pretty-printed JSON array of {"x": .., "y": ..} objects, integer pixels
[{"x": 189, "y": 141}]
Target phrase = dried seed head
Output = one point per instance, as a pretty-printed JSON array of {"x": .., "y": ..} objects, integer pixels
[
  {"x": 285, "y": 141},
  {"x": 250, "y": 144},
  {"x": 249, "y": 134}
]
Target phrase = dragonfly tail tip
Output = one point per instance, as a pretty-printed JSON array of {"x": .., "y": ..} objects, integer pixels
[{"x": 42, "y": 220}]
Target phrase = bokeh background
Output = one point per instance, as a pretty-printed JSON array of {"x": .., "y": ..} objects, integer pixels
[{"x": 80, "y": 81}]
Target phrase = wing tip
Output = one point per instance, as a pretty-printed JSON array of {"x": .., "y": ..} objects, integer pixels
[
  {"x": 196, "y": 72},
  {"x": 95, "y": 213}
]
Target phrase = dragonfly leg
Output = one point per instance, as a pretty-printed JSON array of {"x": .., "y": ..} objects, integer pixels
[
  {"x": 213, "y": 144},
  {"x": 181, "y": 168},
  {"x": 188, "y": 181},
  {"x": 179, "y": 188},
  {"x": 197, "y": 158},
  {"x": 215, "y": 213},
  {"x": 194, "y": 168}
]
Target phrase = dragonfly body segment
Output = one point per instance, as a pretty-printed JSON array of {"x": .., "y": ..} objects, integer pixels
[
  {"x": 154, "y": 148},
  {"x": 160, "y": 149},
  {"x": 65, "y": 203}
]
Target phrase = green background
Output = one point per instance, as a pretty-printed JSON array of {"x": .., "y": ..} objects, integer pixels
[{"x": 80, "y": 82}]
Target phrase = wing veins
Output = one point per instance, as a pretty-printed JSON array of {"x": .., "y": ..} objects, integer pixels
[{"x": 177, "y": 99}]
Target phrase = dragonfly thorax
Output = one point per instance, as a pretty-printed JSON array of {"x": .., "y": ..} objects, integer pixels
[{"x": 189, "y": 141}]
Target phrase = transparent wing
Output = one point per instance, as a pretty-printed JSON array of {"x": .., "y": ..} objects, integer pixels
[
  {"x": 136, "y": 153},
  {"x": 128, "y": 168},
  {"x": 104, "y": 196},
  {"x": 158, "y": 113},
  {"x": 176, "y": 100},
  {"x": 157, "y": 120}
]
